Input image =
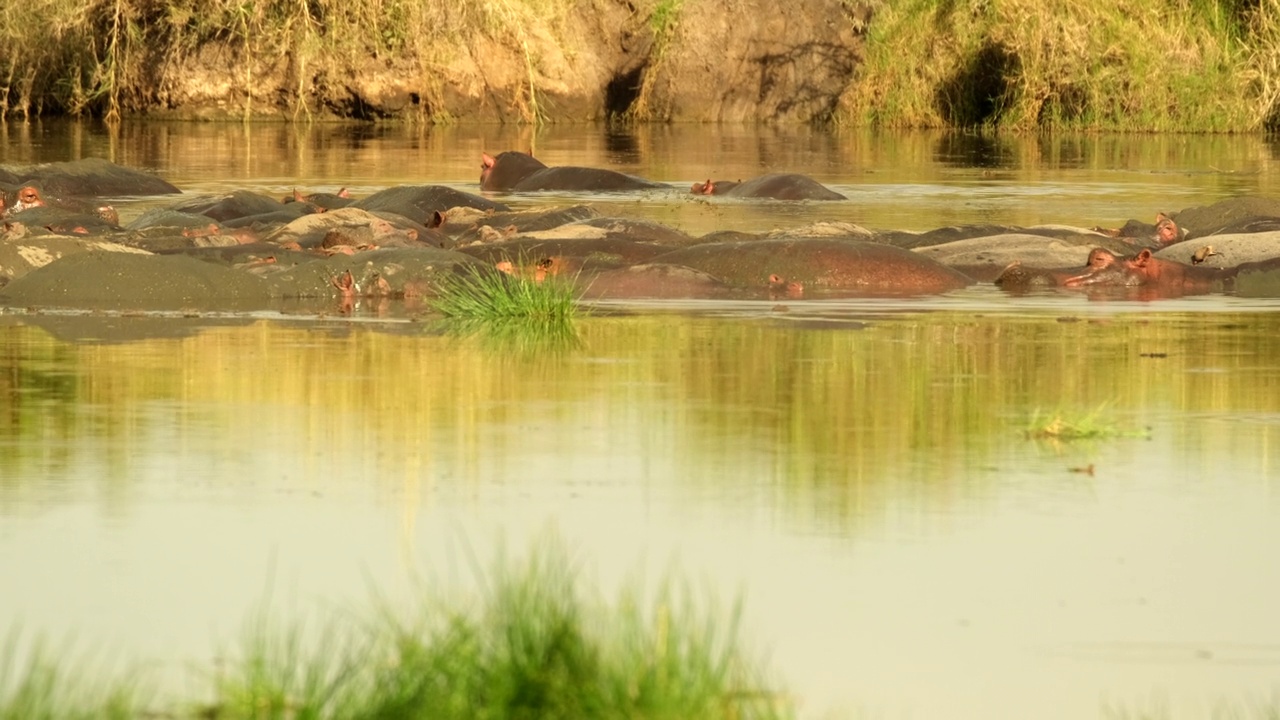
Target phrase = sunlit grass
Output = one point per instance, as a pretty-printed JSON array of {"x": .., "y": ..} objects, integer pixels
[
  {"x": 1028, "y": 64},
  {"x": 534, "y": 641},
  {"x": 486, "y": 294},
  {"x": 100, "y": 58},
  {"x": 1062, "y": 425},
  {"x": 37, "y": 685}
]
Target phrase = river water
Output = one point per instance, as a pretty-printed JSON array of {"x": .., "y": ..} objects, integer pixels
[{"x": 858, "y": 471}]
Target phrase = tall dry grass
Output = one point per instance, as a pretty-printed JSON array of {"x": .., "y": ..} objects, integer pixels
[
  {"x": 1136, "y": 65},
  {"x": 106, "y": 57},
  {"x": 1130, "y": 65}
]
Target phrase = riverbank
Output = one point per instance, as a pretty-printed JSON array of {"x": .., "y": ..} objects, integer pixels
[{"x": 1132, "y": 65}]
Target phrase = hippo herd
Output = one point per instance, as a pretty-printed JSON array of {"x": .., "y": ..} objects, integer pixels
[{"x": 62, "y": 245}]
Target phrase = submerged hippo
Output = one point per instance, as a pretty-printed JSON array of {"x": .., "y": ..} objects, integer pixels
[
  {"x": 87, "y": 178},
  {"x": 1167, "y": 278},
  {"x": 514, "y": 171},
  {"x": 1152, "y": 277},
  {"x": 778, "y": 186},
  {"x": 834, "y": 266},
  {"x": 425, "y": 204},
  {"x": 1017, "y": 277}
]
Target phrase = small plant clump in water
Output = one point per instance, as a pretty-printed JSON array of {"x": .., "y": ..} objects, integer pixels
[
  {"x": 484, "y": 294},
  {"x": 1061, "y": 426}
]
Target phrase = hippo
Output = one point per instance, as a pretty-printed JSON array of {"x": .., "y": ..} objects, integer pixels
[
  {"x": 468, "y": 225},
  {"x": 241, "y": 204},
  {"x": 834, "y": 266},
  {"x": 354, "y": 228},
  {"x": 322, "y": 200},
  {"x": 593, "y": 245},
  {"x": 777, "y": 186},
  {"x": 1232, "y": 215},
  {"x": 514, "y": 171},
  {"x": 23, "y": 198},
  {"x": 424, "y": 204},
  {"x": 59, "y": 214},
  {"x": 1149, "y": 276},
  {"x": 1165, "y": 231},
  {"x": 70, "y": 222},
  {"x": 1170, "y": 278},
  {"x": 90, "y": 177},
  {"x": 1017, "y": 277},
  {"x": 651, "y": 281}
]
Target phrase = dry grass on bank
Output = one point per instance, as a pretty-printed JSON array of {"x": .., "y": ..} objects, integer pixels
[
  {"x": 1135, "y": 65},
  {"x": 109, "y": 56},
  {"x": 1148, "y": 65}
]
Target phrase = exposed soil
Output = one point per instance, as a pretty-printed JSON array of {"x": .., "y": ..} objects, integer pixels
[{"x": 721, "y": 60}]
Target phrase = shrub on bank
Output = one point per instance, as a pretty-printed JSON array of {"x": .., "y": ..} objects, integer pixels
[{"x": 1148, "y": 65}]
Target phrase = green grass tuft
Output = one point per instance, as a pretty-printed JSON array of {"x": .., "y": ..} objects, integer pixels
[
  {"x": 532, "y": 645},
  {"x": 476, "y": 293},
  {"x": 531, "y": 642}
]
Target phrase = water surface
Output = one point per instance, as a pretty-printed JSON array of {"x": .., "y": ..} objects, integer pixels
[
  {"x": 914, "y": 181},
  {"x": 858, "y": 470}
]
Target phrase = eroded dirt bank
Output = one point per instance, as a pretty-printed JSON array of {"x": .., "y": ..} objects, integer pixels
[{"x": 489, "y": 61}]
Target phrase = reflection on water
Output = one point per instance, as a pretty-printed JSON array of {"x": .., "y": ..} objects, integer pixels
[{"x": 860, "y": 473}]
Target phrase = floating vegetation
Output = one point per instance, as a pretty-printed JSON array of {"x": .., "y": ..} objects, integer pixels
[{"x": 1092, "y": 425}]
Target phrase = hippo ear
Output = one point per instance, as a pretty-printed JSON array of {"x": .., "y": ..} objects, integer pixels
[
  {"x": 1143, "y": 257},
  {"x": 343, "y": 193},
  {"x": 297, "y": 196},
  {"x": 436, "y": 219},
  {"x": 486, "y": 160}
]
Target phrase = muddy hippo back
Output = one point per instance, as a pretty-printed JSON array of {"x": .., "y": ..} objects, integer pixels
[
  {"x": 519, "y": 172},
  {"x": 837, "y": 266},
  {"x": 784, "y": 186}
]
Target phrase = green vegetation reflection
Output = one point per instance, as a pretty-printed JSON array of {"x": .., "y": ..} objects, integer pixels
[
  {"x": 1063, "y": 425},
  {"x": 839, "y": 422}
]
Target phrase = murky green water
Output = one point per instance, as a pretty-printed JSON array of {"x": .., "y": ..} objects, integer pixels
[{"x": 858, "y": 470}]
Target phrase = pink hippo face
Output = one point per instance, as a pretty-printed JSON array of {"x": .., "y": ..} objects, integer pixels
[
  {"x": 28, "y": 196},
  {"x": 1167, "y": 231}
]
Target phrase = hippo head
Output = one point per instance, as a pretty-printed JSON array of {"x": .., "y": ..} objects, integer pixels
[
  {"x": 28, "y": 196},
  {"x": 1167, "y": 231}
]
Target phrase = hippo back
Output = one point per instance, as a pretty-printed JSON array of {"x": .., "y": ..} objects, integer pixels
[
  {"x": 784, "y": 186},
  {"x": 852, "y": 267}
]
